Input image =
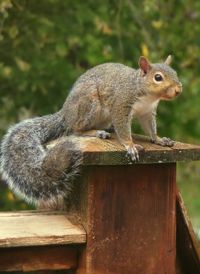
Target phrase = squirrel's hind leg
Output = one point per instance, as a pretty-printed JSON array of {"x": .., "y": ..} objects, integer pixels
[{"x": 102, "y": 134}]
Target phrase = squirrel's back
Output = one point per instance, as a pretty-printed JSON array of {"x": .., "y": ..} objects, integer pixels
[
  {"x": 105, "y": 74},
  {"x": 94, "y": 94}
]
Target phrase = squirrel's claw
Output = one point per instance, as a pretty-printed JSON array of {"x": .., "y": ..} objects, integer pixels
[
  {"x": 164, "y": 141},
  {"x": 133, "y": 152}
]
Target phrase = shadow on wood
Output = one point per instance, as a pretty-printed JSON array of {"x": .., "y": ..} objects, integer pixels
[{"x": 188, "y": 247}]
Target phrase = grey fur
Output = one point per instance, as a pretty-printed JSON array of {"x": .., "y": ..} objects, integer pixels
[
  {"x": 23, "y": 157},
  {"x": 107, "y": 95}
]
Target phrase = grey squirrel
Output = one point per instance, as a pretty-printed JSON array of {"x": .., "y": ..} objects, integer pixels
[{"x": 109, "y": 94}]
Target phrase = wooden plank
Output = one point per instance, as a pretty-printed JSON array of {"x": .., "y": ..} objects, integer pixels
[
  {"x": 129, "y": 215},
  {"x": 33, "y": 229},
  {"x": 109, "y": 152},
  {"x": 188, "y": 247},
  {"x": 38, "y": 258},
  {"x": 31, "y": 212}
]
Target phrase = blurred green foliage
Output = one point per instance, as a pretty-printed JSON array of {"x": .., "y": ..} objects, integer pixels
[{"x": 45, "y": 45}]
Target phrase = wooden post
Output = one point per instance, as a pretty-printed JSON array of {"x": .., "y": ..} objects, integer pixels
[
  {"x": 128, "y": 210},
  {"x": 129, "y": 219}
]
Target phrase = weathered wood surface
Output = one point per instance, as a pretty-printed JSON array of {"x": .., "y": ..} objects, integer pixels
[
  {"x": 128, "y": 211},
  {"x": 129, "y": 215},
  {"x": 188, "y": 248},
  {"x": 38, "y": 258},
  {"x": 110, "y": 152},
  {"x": 37, "y": 229}
]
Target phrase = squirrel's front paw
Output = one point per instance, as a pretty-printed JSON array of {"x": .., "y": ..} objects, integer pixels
[
  {"x": 164, "y": 141},
  {"x": 133, "y": 151}
]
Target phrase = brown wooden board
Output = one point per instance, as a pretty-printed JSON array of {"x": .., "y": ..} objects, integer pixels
[
  {"x": 38, "y": 258},
  {"x": 129, "y": 215},
  {"x": 188, "y": 248},
  {"x": 35, "y": 229},
  {"x": 109, "y": 152}
]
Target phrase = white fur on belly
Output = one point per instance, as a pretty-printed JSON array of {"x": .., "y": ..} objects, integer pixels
[{"x": 144, "y": 105}]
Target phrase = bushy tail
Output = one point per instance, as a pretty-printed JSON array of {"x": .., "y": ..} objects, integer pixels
[{"x": 40, "y": 176}]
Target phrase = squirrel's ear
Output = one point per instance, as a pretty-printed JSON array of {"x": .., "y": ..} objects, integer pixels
[
  {"x": 168, "y": 60},
  {"x": 144, "y": 64}
]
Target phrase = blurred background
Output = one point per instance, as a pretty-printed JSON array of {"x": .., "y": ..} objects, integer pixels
[{"x": 45, "y": 45}]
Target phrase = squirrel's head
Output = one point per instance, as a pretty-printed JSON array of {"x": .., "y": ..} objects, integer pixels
[{"x": 160, "y": 79}]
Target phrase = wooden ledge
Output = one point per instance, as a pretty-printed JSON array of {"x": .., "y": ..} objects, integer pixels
[
  {"x": 33, "y": 228},
  {"x": 110, "y": 152}
]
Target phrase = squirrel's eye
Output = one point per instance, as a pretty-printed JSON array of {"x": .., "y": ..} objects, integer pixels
[{"x": 158, "y": 77}]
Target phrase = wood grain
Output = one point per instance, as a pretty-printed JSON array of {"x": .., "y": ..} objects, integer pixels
[
  {"x": 129, "y": 215},
  {"x": 109, "y": 152},
  {"x": 35, "y": 229},
  {"x": 38, "y": 258}
]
